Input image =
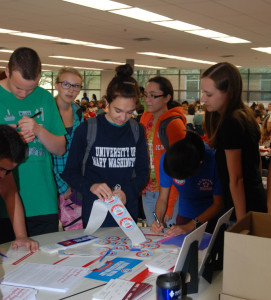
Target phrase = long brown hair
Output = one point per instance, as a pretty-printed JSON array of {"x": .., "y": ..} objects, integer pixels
[
  {"x": 227, "y": 79},
  {"x": 265, "y": 134}
]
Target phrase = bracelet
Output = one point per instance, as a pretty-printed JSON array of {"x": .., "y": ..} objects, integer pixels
[{"x": 197, "y": 223}]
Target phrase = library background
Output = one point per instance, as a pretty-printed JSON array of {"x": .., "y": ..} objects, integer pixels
[{"x": 186, "y": 83}]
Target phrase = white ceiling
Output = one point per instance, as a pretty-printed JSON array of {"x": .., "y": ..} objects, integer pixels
[{"x": 246, "y": 19}]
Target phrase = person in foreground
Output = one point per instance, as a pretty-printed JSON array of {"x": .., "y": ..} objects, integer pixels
[
  {"x": 234, "y": 134},
  {"x": 115, "y": 157},
  {"x": 190, "y": 165},
  {"x": 12, "y": 153},
  {"x": 33, "y": 111}
]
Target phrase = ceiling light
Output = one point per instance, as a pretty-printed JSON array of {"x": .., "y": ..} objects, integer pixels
[
  {"x": 5, "y": 61},
  {"x": 84, "y": 68},
  {"x": 99, "y": 4},
  {"x": 62, "y": 40},
  {"x": 86, "y": 59},
  {"x": 6, "y": 51},
  {"x": 178, "y": 25},
  {"x": 2, "y": 30},
  {"x": 33, "y": 35},
  {"x": 231, "y": 40},
  {"x": 208, "y": 33},
  {"x": 177, "y": 57},
  {"x": 140, "y": 14},
  {"x": 263, "y": 49},
  {"x": 101, "y": 61},
  {"x": 49, "y": 65},
  {"x": 150, "y": 67}
]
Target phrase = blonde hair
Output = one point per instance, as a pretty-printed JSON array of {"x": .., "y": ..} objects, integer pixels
[{"x": 68, "y": 70}]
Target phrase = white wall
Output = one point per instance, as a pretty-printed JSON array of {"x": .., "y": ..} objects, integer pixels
[{"x": 106, "y": 77}]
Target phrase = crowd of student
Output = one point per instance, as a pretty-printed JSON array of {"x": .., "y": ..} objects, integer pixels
[{"x": 181, "y": 178}]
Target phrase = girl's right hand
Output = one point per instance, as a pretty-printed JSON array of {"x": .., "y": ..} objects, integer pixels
[{"x": 101, "y": 190}]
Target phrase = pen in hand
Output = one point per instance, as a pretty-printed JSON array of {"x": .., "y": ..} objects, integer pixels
[
  {"x": 157, "y": 220},
  {"x": 36, "y": 114}
]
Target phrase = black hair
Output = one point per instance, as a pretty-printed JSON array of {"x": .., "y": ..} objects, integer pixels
[
  {"x": 12, "y": 147},
  {"x": 191, "y": 109},
  {"x": 26, "y": 61},
  {"x": 123, "y": 84},
  {"x": 166, "y": 87},
  {"x": 183, "y": 158}
]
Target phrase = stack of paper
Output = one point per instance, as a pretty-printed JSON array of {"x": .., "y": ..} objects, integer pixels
[
  {"x": 162, "y": 263},
  {"x": 8, "y": 292},
  {"x": 118, "y": 289},
  {"x": 74, "y": 242},
  {"x": 45, "y": 277}
]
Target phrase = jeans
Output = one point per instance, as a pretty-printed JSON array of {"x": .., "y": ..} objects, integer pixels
[{"x": 149, "y": 202}]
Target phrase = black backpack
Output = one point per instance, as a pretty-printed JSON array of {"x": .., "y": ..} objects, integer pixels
[{"x": 163, "y": 130}]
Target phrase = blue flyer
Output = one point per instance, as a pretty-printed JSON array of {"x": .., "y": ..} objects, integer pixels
[
  {"x": 78, "y": 240},
  {"x": 114, "y": 268},
  {"x": 178, "y": 240}
]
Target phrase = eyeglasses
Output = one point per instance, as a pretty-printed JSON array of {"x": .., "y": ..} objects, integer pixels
[
  {"x": 5, "y": 171},
  {"x": 66, "y": 85},
  {"x": 152, "y": 96}
]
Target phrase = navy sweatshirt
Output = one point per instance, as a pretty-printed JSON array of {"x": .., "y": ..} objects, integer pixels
[{"x": 112, "y": 159}]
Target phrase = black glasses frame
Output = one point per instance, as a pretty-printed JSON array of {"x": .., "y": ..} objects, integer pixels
[
  {"x": 66, "y": 85},
  {"x": 153, "y": 96}
]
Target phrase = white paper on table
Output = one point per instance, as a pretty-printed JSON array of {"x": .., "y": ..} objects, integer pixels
[
  {"x": 117, "y": 289},
  {"x": 45, "y": 277},
  {"x": 121, "y": 216},
  {"x": 8, "y": 292},
  {"x": 162, "y": 263}
]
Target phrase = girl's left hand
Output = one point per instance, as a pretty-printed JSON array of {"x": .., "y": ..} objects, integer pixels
[{"x": 121, "y": 195}]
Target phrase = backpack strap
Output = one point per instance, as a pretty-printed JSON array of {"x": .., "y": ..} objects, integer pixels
[
  {"x": 135, "y": 129},
  {"x": 79, "y": 111},
  {"x": 163, "y": 130},
  {"x": 91, "y": 137}
]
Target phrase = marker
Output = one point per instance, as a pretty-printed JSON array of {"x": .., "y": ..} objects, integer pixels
[
  {"x": 157, "y": 220},
  {"x": 36, "y": 114},
  {"x": 3, "y": 255}
]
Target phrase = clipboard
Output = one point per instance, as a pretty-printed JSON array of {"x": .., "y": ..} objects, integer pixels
[
  {"x": 213, "y": 258},
  {"x": 187, "y": 261}
]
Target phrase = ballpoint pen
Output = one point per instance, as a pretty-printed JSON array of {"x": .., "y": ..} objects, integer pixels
[
  {"x": 157, "y": 220},
  {"x": 36, "y": 114},
  {"x": 3, "y": 255}
]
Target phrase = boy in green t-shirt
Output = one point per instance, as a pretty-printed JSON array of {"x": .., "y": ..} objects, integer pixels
[{"x": 20, "y": 100}]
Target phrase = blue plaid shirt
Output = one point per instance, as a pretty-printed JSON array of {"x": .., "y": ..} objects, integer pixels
[{"x": 60, "y": 161}]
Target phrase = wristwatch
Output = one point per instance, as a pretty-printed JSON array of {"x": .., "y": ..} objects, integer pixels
[{"x": 197, "y": 223}]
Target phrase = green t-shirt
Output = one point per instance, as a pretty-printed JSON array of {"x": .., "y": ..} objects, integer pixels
[{"x": 34, "y": 177}]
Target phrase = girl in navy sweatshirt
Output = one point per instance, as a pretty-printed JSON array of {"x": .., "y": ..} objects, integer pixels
[{"x": 116, "y": 156}]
